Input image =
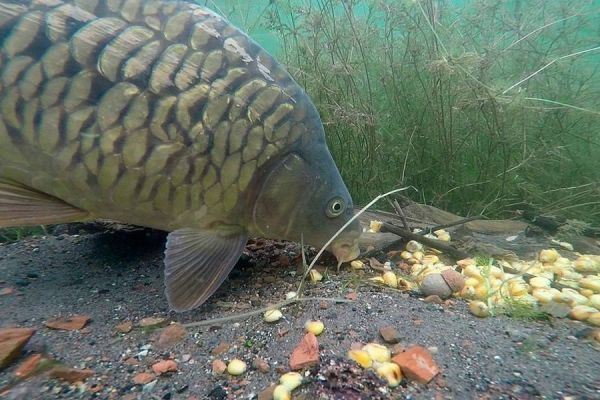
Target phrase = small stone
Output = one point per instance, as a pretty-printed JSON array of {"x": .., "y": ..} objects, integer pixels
[
  {"x": 124, "y": 327},
  {"x": 220, "y": 349},
  {"x": 182, "y": 389},
  {"x": 28, "y": 366},
  {"x": 267, "y": 394},
  {"x": 557, "y": 310},
  {"x": 306, "y": 353},
  {"x": 389, "y": 334},
  {"x": 417, "y": 364},
  {"x": 164, "y": 366},
  {"x": 6, "y": 291},
  {"x": 12, "y": 341},
  {"x": 186, "y": 357},
  {"x": 352, "y": 296},
  {"x": 143, "y": 378},
  {"x": 70, "y": 375},
  {"x": 172, "y": 335},
  {"x": 218, "y": 366},
  {"x": 586, "y": 333},
  {"x": 131, "y": 361},
  {"x": 323, "y": 305},
  {"x": 435, "y": 284},
  {"x": 71, "y": 323},
  {"x": 433, "y": 299},
  {"x": 261, "y": 365},
  {"x": 151, "y": 322},
  {"x": 397, "y": 348}
]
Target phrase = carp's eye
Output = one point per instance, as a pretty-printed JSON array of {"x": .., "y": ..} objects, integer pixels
[{"x": 335, "y": 207}]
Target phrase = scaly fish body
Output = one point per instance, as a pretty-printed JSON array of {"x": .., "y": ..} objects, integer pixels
[{"x": 161, "y": 114}]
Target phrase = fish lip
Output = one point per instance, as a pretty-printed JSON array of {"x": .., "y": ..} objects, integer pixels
[{"x": 345, "y": 250}]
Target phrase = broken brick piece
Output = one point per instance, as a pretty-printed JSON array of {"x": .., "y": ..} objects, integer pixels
[
  {"x": 72, "y": 323},
  {"x": 12, "y": 341},
  {"x": 417, "y": 364},
  {"x": 70, "y": 375},
  {"x": 28, "y": 366},
  {"x": 306, "y": 353},
  {"x": 143, "y": 378}
]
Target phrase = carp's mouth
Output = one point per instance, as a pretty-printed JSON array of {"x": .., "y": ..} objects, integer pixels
[{"x": 345, "y": 250}]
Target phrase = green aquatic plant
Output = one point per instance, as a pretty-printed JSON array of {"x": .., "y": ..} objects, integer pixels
[
  {"x": 484, "y": 105},
  {"x": 18, "y": 233},
  {"x": 519, "y": 309}
]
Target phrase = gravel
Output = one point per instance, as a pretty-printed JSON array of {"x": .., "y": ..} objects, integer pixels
[{"x": 117, "y": 277}]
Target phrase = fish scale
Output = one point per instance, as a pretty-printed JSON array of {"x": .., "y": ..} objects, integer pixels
[
  {"x": 107, "y": 80},
  {"x": 162, "y": 114}
]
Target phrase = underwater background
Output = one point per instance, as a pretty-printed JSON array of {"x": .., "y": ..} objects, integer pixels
[{"x": 483, "y": 106}]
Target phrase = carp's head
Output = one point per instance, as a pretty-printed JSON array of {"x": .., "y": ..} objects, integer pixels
[{"x": 303, "y": 196}]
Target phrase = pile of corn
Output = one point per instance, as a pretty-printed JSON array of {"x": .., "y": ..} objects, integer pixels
[
  {"x": 582, "y": 277},
  {"x": 489, "y": 286}
]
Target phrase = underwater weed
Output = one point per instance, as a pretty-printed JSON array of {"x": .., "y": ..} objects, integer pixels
[
  {"x": 519, "y": 309},
  {"x": 484, "y": 105}
]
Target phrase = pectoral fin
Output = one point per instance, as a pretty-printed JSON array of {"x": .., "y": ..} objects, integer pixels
[
  {"x": 196, "y": 264},
  {"x": 21, "y": 205}
]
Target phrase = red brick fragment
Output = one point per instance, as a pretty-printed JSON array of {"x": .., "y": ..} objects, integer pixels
[
  {"x": 417, "y": 364},
  {"x": 12, "y": 341},
  {"x": 306, "y": 353}
]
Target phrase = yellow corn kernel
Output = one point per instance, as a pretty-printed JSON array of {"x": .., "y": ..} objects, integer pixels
[
  {"x": 573, "y": 297},
  {"x": 496, "y": 272},
  {"x": 586, "y": 292},
  {"x": 472, "y": 271},
  {"x": 390, "y": 372},
  {"x": 472, "y": 282},
  {"x": 518, "y": 288},
  {"x": 594, "y": 319},
  {"x": 594, "y": 301},
  {"x": 281, "y": 393},
  {"x": 272, "y": 315},
  {"x": 581, "y": 313},
  {"x": 548, "y": 256},
  {"x": 361, "y": 357},
  {"x": 590, "y": 282},
  {"x": 377, "y": 352},
  {"x": 390, "y": 279},
  {"x": 539, "y": 282},
  {"x": 479, "y": 309},
  {"x": 315, "y": 276},
  {"x": 236, "y": 367},
  {"x": 543, "y": 295},
  {"x": 481, "y": 291},
  {"x": 314, "y": 327},
  {"x": 291, "y": 380}
]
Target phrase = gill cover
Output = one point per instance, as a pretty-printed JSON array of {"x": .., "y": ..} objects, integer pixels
[{"x": 280, "y": 198}]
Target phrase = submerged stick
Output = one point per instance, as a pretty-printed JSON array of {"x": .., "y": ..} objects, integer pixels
[
  {"x": 452, "y": 224},
  {"x": 445, "y": 247}
]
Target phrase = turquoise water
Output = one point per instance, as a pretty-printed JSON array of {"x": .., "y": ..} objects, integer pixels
[{"x": 484, "y": 106}]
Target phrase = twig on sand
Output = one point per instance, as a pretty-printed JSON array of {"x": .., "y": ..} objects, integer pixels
[{"x": 284, "y": 303}]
